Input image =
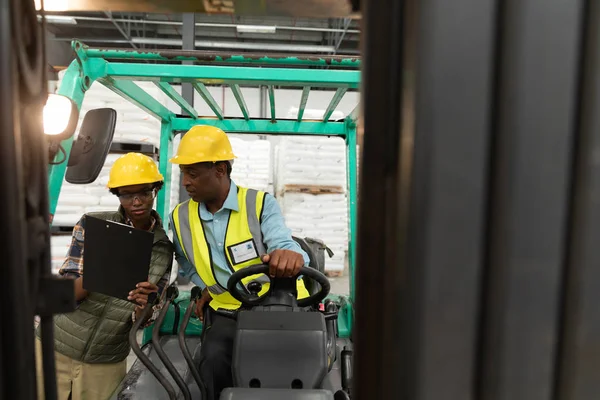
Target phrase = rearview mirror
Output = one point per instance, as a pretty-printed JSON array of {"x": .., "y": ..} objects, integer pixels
[{"x": 92, "y": 145}]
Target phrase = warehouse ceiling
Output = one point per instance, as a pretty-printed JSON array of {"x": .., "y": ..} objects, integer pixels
[{"x": 216, "y": 32}]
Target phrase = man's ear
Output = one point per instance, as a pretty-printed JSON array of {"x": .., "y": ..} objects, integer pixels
[{"x": 221, "y": 169}]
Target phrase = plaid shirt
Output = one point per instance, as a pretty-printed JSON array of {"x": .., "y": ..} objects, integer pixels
[{"x": 73, "y": 265}]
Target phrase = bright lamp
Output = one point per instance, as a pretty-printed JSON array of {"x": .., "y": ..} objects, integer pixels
[
  {"x": 60, "y": 117},
  {"x": 52, "y": 5}
]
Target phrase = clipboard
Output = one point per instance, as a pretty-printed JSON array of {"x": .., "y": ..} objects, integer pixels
[{"x": 116, "y": 257}]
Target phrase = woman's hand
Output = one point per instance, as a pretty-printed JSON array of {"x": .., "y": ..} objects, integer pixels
[{"x": 140, "y": 294}]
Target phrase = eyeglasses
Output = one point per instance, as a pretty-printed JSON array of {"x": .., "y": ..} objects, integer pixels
[{"x": 145, "y": 195}]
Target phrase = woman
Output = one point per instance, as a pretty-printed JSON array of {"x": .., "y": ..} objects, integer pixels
[{"x": 91, "y": 343}]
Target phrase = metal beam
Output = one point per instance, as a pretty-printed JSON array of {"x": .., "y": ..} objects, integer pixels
[
  {"x": 187, "y": 89},
  {"x": 352, "y": 178},
  {"x": 188, "y": 37},
  {"x": 337, "y": 97},
  {"x": 209, "y": 44},
  {"x": 209, "y": 74},
  {"x": 383, "y": 356},
  {"x": 237, "y": 93},
  {"x": 265, "y": 126},
  {"x": 303, "y": 100},
  {"x": 205, "y": 94},
  {"x": 138, "y": 96},
  {"x": 210, "y": 25},
  {"x": 125, "y": 35},
  {"x": 308, "y": 8},
  {"x": 429, "y": 178},
  {"x": 272, "y": 101},
  {"x": 342, "y": 35},
  {"x": 176, "y": 97},
  {"x": 163, "y": 206},
  {"x": 577, "y": 376},
  {"x": 223, "y": 57},
  {"x": 262, "y": 98},
  {"x": 275, "y": 37},
  {"x": 529, "y": 204},
  {"x": 353, "y": 115},
  {"x": 19, "y": 277},
  {"x": 93, "y": 40}
]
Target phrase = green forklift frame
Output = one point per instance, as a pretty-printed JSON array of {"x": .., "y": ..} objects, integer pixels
[{"x": 91, "y": 65}]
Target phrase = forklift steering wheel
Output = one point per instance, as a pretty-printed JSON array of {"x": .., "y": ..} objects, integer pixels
[{"x": 277, "y": 286}]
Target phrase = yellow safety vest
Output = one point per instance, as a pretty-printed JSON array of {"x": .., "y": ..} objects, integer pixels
[{"x": 243, "y": 245}]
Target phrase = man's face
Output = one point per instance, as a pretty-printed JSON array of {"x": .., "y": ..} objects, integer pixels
[
  {"x": 137, "y": 200},
  {"x": 202, "y": 181}
]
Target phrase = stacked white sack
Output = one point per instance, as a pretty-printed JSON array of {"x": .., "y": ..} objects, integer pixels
[
  {"x": 311, "y": 162},
  {"x": 253, "y": 167},
  {"x": 322, "y": 216}
]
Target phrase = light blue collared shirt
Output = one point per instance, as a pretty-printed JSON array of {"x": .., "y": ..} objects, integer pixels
[{"x": 276, "y": 235}]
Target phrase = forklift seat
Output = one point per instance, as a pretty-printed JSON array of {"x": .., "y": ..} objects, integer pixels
[{"x": 280, "y": 350}]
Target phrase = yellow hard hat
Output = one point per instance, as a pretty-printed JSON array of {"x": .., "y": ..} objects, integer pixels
[
  {"x": 203, "y": 143},
  {"x": 133, "y": 169}
]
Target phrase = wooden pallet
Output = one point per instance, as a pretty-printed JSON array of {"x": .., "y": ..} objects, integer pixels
[
  {"x": 314, "y": 189},
  {"x": 219, "y": 6}
]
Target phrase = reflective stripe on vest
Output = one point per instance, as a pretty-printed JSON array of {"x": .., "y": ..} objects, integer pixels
[{"x": 243, "y": 233}]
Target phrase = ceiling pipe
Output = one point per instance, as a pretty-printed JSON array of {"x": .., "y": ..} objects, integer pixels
[
  {"x": 206, "y": 44},
  {"x": 211, "y": 25}
]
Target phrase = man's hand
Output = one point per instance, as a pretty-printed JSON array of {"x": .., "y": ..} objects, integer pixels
[
  {"x": 140, "y": 294},
  {"x": 201, "y": 302},
  {"x": 283, "y": 263}
]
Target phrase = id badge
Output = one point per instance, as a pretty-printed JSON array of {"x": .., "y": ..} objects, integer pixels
[{"x": 243, "y": 252}]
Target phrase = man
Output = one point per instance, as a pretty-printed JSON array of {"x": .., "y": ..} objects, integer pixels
[
  {"x": 91, "y": 343},
  {"x": 222, "y": 229}
]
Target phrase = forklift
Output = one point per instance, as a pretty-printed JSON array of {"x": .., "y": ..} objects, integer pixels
[
  {"x": 476, "y": 261},
  {"x": 327, "y": 346}
]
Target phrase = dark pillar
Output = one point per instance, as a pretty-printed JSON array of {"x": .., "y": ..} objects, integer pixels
[{"x": 187, "y": 91}]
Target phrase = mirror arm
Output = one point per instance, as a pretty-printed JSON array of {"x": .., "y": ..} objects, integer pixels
[{"x": 54, "y": 147}]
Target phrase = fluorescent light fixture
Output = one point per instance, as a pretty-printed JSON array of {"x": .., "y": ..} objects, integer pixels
[
  {"x": 59, "y": 19},
  {"x": 52, "y": 5},
  {"x": 255, "y": 29}
]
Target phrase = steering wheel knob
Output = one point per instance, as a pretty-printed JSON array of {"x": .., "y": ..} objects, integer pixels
[{"x": 254, "y": 287}]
